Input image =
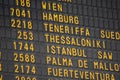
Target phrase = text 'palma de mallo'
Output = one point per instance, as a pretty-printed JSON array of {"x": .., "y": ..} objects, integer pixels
[{"x": 83, "y": 63}]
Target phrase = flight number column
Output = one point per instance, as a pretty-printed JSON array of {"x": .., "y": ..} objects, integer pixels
[{"x": 23, "y": 46}]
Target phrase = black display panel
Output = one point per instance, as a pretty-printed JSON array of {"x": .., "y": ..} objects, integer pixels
[{"x": 59, "y": 39}]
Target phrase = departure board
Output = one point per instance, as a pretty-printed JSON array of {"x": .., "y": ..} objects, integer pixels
[{"x": 59, "y": 39}]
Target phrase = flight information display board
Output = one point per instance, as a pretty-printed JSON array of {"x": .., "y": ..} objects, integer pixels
[{"x": 59, "y": 39}]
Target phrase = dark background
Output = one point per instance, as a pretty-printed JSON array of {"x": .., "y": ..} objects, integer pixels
[{"x": 93, "y": 14}]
